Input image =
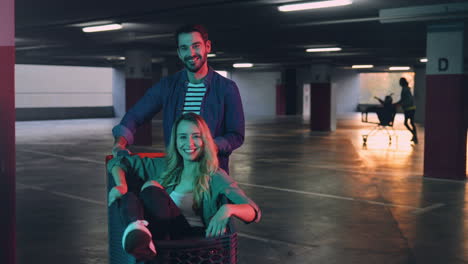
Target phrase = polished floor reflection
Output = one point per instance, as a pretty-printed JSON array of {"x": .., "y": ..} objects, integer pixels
[{"x": 325, "y": 197}]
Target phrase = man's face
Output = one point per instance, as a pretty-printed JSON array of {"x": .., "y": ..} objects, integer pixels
[{"x": 193, "y": 50}]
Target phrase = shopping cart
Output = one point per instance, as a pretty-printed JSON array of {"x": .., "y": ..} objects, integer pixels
[
  {"x": 384, "y": 122},
  {"x": 219, "y": 250}
]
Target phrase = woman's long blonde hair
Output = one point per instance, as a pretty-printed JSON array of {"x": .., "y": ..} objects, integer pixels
[{"x": 207, "y": 161}]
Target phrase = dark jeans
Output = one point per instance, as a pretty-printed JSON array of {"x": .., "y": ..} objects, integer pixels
[
  {"x": 409, "y": 114},
  {"x": 154, "y": 205}
]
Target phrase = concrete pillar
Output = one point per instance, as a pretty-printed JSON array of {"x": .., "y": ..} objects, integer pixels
[
  {"x": 280, "y": 99},
  {"x": 446, "y": 96},
  {"x": 118, "y": 91},
  {"x": 420, "y": 94},
  {"x": 290, "y": 91},
  {"x": 322, "y": 99},
  {"x": 7, "y": 133},
  {"x": 138, "y": 79}
]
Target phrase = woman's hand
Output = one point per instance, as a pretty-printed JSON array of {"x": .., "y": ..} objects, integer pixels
[
  {"x": 116, "y": 192},
  {"x": 120, "y": 147},
  {"x": 218, "y": 223}
]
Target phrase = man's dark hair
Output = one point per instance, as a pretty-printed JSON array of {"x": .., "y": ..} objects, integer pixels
[
  {"x": 191, "y": 28},
  {"x": 403, "y": 82}
]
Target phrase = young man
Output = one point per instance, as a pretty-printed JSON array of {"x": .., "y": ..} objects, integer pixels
[
  {"x": 197, "y": 88},
  {"x": 407, "y": 103}
]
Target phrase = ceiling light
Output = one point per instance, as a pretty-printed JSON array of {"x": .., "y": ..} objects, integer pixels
[
  {"x": 423, "y": 60},
  {"x": 368, "y": 66},
  {"x": 102, "y": 28},
  {"x": 115, "y": 58},
  {"x": 242, "y": 65},
  {"x": 157, "y": 60},
  {"x": 323, "y": 49},
  {"x": 399, "y": 68},
  {"x": 211, "y": 55},
  {"x": 314, "y": 5}
]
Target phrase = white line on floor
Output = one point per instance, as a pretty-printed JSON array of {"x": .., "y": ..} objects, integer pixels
[
  {"x": 83, "y": 199},
  {"x": 273, "y": 241},
  {"x": 71, "y": 196},
  {"x": 428, "y": 208},
  {"x": 72, "y": 158},
  {"x": 418, "y": 210}
]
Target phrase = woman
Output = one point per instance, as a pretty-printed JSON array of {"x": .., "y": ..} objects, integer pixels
[
  {"x": 409, "y": 108},
  {"x": 177, "y": 196}
]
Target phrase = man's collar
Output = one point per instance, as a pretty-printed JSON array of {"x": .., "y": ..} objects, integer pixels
[
  {"x": 208, "y": 76},
  {"x": 206, "y": 80}
]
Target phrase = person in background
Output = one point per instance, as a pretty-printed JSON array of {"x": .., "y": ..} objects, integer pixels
[
  {"x": 409, "y": 108},
  {"x": 386, "y": 111}
]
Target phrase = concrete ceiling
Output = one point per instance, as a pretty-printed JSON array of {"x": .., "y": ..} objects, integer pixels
[{"x": 49, "y": 32}]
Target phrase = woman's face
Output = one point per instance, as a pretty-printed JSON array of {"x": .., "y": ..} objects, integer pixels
[{"x": 188, "y": 140}]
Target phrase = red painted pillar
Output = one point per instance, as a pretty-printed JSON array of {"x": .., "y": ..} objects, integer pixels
[
  {"x": 138, "y": 80},
  {"x": 446, "y": 97},
  {"x": 7, "y": 133},
  {"x": 322, "y": 114},
  {"x": 320, "y": 106},
  {"x": 280, "y": 99}
]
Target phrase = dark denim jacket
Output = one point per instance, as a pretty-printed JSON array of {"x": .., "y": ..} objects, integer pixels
[{"x": 221, "y": 108}]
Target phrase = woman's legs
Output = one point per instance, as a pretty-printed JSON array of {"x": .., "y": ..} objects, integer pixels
[
  {"x": 409, "y": 116},
  {"x": 164, "y": 217},
  {"x": 152, "y": 215},
  {"x": 130, "y": 208},
  {"x": 415, "y": 136},
  {"x": 129, "y": 205},
  {"x": 154, "y": 205},
  {"x": 137, "y": 240}
]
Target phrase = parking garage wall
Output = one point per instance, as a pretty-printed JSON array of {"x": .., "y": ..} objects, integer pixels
[
  {"x": 346, "y": 85},
  {"x": 258, "y": 92},
  {"x": 118, "y": 94},
  {"x": 45, "y": 92}
]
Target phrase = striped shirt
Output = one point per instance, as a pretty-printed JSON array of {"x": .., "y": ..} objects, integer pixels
[{"x": 194, "y": 98}]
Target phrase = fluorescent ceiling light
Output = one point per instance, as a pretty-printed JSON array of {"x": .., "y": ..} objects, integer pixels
[
  {"x": 242, "y": 65},
  {"x": 362, "y": 66},
  {"x": 102, "y": 28},
  {"x": 399, "y": 68},
  {"x": 314, "y": 5},
  {"x": 223, "y": 73},
  {"x": 211, "y": 55},
  {"x": 157, "y": 60},
  {"x": 323, "y": 49},
  {"x": 423, "y": 60},
  {"x": 116, "y": 58}
]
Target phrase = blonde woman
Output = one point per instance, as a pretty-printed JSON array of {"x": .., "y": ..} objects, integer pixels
[{"x": 176, "y": 196}]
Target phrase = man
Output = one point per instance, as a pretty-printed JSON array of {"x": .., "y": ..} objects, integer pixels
[
  {"x": 197, "y": 88},
  {"x": 407, "y": 103}
]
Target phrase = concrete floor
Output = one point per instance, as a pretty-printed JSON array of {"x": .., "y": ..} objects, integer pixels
[{"x": 325, "y": 198}]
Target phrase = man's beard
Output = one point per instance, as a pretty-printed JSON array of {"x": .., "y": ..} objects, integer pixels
[{"x": 196, "y": 67}]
